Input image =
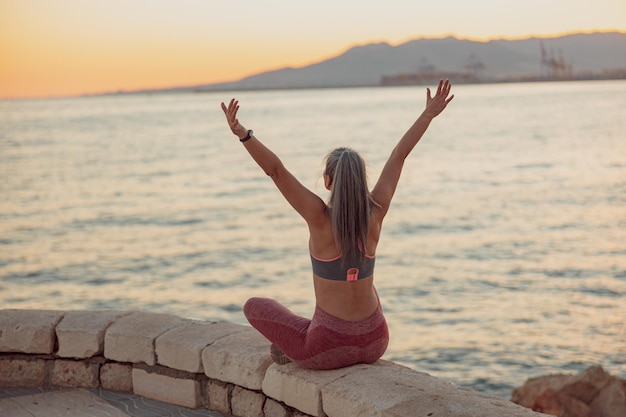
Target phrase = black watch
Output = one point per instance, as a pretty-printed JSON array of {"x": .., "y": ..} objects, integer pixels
[{"x": 248, "y": 136}]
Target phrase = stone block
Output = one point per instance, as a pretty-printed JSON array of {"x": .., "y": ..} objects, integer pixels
[
  {"x": 357, "y": 394},
  {"x": 67, "y": 373},
  {"x": 81, "y": 333},
  {"x": 443, "y": 406},
  {"x": 246, "y": 403},
  {"x": 183, "y": 392},
  {"x": 28, "y": 331},
  {"x": 240, "y": 358},
  {"x": 116, "y": 377},
  {"x": 388, "y": 390},
  {"x": 22, "y": 372},
  {"x": 131, "y": 338},
  {"x": 218, "y": 396},
  {"x": 533, "y": 387},
  {"x": 586, "y": 385},
  {"x": 611, "y": 401},
  {"x": 181, "y": 347},
  {"x": 301, "y": 388},
  {"x": 274, "y": 409},
  {"x": 560, "y": 404}
]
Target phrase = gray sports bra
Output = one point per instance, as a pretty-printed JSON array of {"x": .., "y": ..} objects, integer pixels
[{"x": 352, "y": 271}]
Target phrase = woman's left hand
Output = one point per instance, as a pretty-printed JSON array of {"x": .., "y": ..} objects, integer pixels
[
  {"x": 436, "y": 104},
  {"x": 231, "y": 116}
]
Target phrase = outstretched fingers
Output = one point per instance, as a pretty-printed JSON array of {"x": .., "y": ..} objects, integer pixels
[
  {"x": 443, "y": 91},
  {"x": 448, "y": 87},
  {"x": 231, "y": 111},
  {"x": 444, "y": 88},
  {"x": 233, "y": 107},
  {"x": 436, "y": 104},
  {"x": 440, "y": 86}
]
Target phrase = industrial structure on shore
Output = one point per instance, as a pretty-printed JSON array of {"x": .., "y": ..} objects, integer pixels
[{"x": 553, "y": 67}]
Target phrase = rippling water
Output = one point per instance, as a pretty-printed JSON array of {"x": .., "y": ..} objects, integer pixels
[{"x": 503, "y": 255}]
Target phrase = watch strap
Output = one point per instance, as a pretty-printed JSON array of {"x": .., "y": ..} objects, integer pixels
[{"x": 248, "y": 136}]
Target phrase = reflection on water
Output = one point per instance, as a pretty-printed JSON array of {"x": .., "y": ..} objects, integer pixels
[{"x": 503, "y": 256}]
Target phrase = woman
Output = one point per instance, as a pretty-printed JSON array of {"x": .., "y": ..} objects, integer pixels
[{"x": 348, "y": 326}]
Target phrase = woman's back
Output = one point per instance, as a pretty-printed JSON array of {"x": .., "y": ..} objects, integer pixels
[{"x": 348, "y": 300}]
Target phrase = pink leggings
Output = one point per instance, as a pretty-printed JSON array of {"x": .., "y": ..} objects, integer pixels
[{"x": 325, "y": 342}]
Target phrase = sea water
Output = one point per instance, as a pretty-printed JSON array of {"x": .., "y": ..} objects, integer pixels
[{"x": 503, "y": 255}]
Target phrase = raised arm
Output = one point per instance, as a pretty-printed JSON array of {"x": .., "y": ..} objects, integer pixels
[
  {"x": 384, "y": 189},
  {"x": 310, "y": 206}
]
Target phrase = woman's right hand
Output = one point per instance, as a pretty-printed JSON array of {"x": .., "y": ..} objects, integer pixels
[
  {"x": 435, "y": 105},
  {"x": 231, "y": 117}
]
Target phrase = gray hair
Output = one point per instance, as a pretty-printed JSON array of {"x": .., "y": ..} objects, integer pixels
[{"x": 350, "y": 205}]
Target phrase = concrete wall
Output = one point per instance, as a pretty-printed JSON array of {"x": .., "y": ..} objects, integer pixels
[{"x": 217, "y": 366}]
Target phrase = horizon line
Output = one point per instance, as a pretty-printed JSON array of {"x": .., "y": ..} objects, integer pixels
[{"x": 333, "y": 55}]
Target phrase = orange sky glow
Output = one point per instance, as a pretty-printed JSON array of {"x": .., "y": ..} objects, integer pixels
[{"x": 73, "y": 47}]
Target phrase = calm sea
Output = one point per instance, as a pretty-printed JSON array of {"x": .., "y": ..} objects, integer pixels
[{"x": 503, "y": 256}]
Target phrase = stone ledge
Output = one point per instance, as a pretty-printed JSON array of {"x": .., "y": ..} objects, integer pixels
[
  {"x": 181, "y": 347},
  {"x": 28, "y": 331},
  {"x": 131, "y": 338},
  {"x": 218, "y": 366},
  {"x": 81, "y": 333}
]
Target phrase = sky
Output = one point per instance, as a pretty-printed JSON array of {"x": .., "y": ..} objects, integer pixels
[{"x": 74, "y": 47}]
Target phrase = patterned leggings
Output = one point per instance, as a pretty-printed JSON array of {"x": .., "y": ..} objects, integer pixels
[{"x": 325, "y": 342}]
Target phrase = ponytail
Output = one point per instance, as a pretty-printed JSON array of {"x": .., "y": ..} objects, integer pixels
[{"x": 349, "y": 203}]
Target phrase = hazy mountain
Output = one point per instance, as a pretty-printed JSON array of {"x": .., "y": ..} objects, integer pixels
[{"x": 489, "y": 61}]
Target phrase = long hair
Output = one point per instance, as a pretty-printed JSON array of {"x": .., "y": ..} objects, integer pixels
[{"x": 349, "y": 203}]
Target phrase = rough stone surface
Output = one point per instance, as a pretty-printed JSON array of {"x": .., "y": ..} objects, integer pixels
[
  {"x": 611, "y": 401},
  {"x": 390, "y": 390},
  {"x": 586, "y": 385},
  {"x": 218, "y": 396},
  {"x": 81, "y": 333},
  {"x": 301, "y": 388},
  {"x": 184, "y": 392},
  {"x": 441, "y": 405},
  {"x": 356, "y": 395},
  {"x": 246, "y": 403},
  {"x": 116, "y": 377},
  {"x": 22, "y": 372},
  {"x": 67, "y": 373},
  {"x": 526, "y": 394},
  {"x": 274, "y": 409},
  {"x": 181, "y": 348},
  {"x": 131, "y": 338},
  {"x": 240, "y": 358},
  {"x": 28, "y": 331},
  {"x": 592, "y": 392},
  {"x": 560, "y": 404}
]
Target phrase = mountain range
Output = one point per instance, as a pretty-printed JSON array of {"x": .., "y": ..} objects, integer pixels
[{"x": 573, "y": 56}]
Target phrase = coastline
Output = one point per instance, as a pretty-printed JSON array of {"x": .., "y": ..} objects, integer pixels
[
  {"x": 219, "y": 88},
  {"x": 383, "y": 84}
]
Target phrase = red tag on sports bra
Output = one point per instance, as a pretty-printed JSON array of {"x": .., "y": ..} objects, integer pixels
[{"x": 353, "y": 274}]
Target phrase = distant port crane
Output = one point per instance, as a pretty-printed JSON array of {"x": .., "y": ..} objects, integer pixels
[{"x": 553, "y": 64}]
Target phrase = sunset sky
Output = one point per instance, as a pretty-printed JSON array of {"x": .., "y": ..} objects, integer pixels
[{"x": 70, "y": 47}]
